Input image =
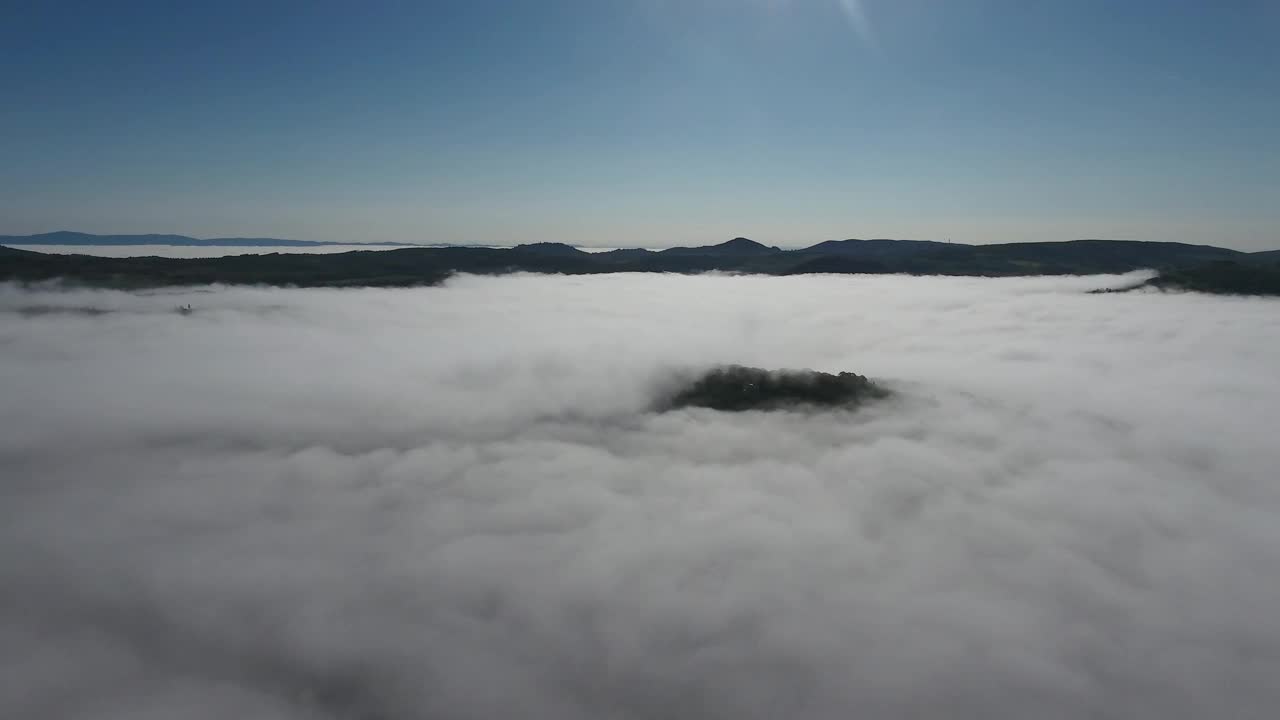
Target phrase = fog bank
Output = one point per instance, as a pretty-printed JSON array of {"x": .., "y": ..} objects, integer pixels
[{"x": 453, "y": 502}]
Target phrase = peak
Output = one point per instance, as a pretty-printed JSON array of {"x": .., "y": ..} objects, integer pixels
[
  {"x": 554, "y": 248},
  {"x": 744, "y": 245}
]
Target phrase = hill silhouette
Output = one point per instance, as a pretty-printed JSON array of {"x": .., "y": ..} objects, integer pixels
[
  {"x": 739, "y": 247},
  {"x": 430, "y": 265},
  {"x": 67, "y": 237},
  {"x": 1222, "y": 277}
]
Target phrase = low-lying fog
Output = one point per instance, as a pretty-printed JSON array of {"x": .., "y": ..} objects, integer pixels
[{"x": 452, "y": 503}]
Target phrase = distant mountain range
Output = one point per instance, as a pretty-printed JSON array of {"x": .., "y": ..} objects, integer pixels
[
  {"x": 878, "y": 249},
  {"x": 419, "y": 265},
  {"x": 66, "y": 237}
]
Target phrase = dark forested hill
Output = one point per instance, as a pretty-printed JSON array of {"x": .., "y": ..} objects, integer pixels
[
  {"x": 1222, "y": 277},
  {"x": 429, "y": 265}
]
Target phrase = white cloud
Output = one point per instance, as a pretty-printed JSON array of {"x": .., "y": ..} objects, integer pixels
[{"x": 451, "y": 503}]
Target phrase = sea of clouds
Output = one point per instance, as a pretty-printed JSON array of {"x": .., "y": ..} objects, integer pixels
[{"x": 454, "y": 502}]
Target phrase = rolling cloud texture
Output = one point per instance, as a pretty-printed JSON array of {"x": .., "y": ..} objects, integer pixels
[{"x": 454, "y": 503}]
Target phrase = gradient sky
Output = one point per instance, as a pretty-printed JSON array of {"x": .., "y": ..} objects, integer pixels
[{"x": 647, "y": 122}]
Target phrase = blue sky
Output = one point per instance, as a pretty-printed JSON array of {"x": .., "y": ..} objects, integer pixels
[{"x": 649, "y": 122}]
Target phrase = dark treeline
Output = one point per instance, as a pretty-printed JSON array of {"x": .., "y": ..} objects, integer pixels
[
  {"x": 1200, "y": 267},
  {"x": 735, "y": 388}
]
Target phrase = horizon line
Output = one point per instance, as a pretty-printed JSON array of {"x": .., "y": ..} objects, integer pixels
[{"x": 428, "y": 244}]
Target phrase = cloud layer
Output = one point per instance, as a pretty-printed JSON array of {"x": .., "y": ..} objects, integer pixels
[{"x": 452, "y": 503}]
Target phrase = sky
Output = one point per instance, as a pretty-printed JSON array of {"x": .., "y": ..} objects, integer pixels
[
  {"x": 450, "y": 502},
  {"x": 649, "y": 122}
]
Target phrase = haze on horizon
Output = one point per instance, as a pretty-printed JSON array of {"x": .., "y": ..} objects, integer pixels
[{"x": 611, "y": 123}]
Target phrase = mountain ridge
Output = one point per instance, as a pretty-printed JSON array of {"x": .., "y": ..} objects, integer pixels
[
  {"x": 877, "y": 247},
  {"x": 424, "y": 265},
  {"x": 71, "y": 237}
]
